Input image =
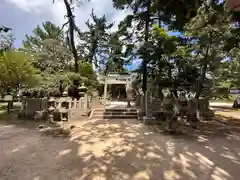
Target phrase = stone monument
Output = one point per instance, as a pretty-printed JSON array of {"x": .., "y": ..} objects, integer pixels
[
  {"x": 148, "y": 118},
  {"x": 129, "y": 92}
]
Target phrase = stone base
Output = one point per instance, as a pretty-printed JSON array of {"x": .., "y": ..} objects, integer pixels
[
  {"x": 140, "y": 115},
  {"x": 149, "y": 120}
]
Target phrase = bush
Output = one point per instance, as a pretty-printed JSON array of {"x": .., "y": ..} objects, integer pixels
[{"x": 16, "y": 70}]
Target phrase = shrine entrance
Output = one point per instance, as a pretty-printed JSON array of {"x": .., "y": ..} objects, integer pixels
[
  {"x": 118, "y": 92},
  {"x": 115, "y": 86}
]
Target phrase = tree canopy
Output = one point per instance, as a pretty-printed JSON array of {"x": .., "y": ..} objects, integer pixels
[
  {"x": 202, "y": 59},
  {"x": 16, "y": 69}
]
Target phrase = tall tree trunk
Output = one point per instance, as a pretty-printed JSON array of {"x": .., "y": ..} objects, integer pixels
[
  {"x": 71, "y": 33},
  {"x": 159, "y": 19},
  {"x": 146, "y": 36},
  {"x": 204, "y": 69},
  {"x": 203, "y": 75},
  {"x": 201, "y": 81},
  {"x": 145, "y": 58},
  {"x": 93, "y": 52},
  {"x": 170, "y": 75},
  {"x": 172, "y": 87},
  {"x": 160, "y": 88}
]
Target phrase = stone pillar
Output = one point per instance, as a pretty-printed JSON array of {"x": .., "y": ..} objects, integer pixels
[
  {"x": 129, "y": 93},
  {"x": 23, "y": 105},
  {"x": 105, "y": 91},
  {"x": 83, "y": 90},
  {"x": 145, "y": 96},
  {"x": 85, "y": 104},
  {"x": 141, "y": 106},
  {"x": 148, "y": 118}
]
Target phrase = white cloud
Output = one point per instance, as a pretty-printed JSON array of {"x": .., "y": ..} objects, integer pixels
[
  {"x": 36, "y": 7},
  {"x": 57, "y": 10}
]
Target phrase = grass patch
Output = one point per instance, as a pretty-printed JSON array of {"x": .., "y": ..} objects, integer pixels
[
  {"x": 12, "y": 117},
  {"x": 231, "y": 98},
  {"x": 3, "y": 114},
  {"x": 3, "y": 111}
]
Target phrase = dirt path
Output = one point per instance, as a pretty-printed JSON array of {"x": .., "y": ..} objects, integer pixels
[
  {"x": 226, "y": 114},
  {"x": 117, "y": 150}
]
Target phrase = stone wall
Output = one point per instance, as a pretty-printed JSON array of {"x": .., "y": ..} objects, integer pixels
[{"x": 31, "y": 105}]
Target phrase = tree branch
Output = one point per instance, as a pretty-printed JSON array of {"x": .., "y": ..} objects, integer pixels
[{"x": 64, "y": 25}]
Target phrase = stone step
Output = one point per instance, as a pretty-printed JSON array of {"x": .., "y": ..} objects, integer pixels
[
  {"x": 114, "y": 113},
  {"x": 115, "y": 110},
  {"x": 114, "y": 117}
]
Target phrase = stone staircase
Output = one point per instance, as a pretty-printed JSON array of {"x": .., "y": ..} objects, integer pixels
[{"x": 114, "y": 113}]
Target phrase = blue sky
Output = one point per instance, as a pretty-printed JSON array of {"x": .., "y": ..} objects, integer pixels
[
  {"x": 24, "y": 15},
  {"x": 27, "y": 14}
]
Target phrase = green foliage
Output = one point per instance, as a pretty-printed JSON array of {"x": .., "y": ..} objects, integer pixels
[
  {"x": 6, "y": 41},
  {"x": 86, "y": 70},
  {"x": 86, "y": 76},
  {"x": 48, "y": 47},
  {"x": 52, "y": 81},
  {"x": 47, "y": 31},
  {"x": 159, "y": 32},
  {"x": 95, "y": 39},
  {"x": 16, "y": 69},
  {"x": 118, "y": 54},
  {"x": 193, "y": 61},
  {"x": 174, "y": 17},
  {"x": 187, "y": 62}
]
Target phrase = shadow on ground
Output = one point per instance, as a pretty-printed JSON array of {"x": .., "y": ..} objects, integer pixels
[
  {"x": 12, "y": 119},
  {"x": 125, "y": 149},
  {"x": 223, "y": 108},
  {"x": 119, "y": 150}
]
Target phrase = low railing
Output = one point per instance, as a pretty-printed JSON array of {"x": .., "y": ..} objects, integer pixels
[{"x": 68, "y": 105}]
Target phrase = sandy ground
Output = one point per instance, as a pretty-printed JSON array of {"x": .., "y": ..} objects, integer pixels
[
  {"x": 226, "y": 110},
  {"x": 222, "y": 104},
  {"x": 118, "y": 150}
]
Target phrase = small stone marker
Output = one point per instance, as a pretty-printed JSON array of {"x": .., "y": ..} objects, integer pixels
[{"x": 8, "y": 98}]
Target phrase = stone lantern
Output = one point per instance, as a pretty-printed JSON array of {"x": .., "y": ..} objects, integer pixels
[
  {"x": 82, "y": 90},
  {"x": 83, "y": 93},
  {"x": 65, "y": 93},
  {"x": 52, "y": 102}
]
